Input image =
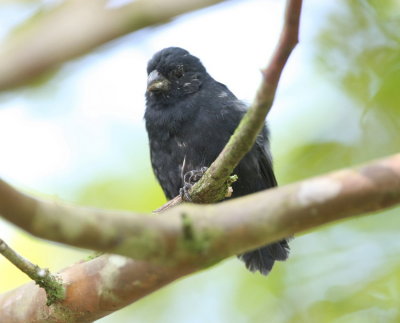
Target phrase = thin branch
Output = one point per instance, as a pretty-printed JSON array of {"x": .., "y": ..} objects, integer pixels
[
  {"x": 50, "y": 283},
  {"x": 213, "y": 185},
  {"x": 83, "y": 26},
  {"x": 178, "y": 200},
  {"x": 171, "y": 203}
]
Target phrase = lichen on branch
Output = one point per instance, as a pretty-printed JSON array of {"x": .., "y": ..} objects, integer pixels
[{"x": 52, "y": 284}]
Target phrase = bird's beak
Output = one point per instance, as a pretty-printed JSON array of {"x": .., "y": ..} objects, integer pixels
[{"x": 157, "y": 82}]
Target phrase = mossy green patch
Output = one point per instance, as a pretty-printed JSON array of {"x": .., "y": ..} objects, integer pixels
[
  {"x": 52, "y": 284},
  {"x": 187, "y": 227},
  {"x": 146, "y": 244}
]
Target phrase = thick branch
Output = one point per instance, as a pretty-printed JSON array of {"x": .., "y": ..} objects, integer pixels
[
  {"x": 94, "y": 289},
  {"x": 51, "y": 284},
  {"x": 201, "y": 235},
  {"x": 82, "y": 26}
]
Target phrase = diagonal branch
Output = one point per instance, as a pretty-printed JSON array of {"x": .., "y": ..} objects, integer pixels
[
  {"x": 213, "y": 185},
  {"x": 42, "y": 276}
]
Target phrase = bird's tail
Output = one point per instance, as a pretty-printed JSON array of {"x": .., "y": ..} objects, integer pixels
[{"x": 263, "y": 259}]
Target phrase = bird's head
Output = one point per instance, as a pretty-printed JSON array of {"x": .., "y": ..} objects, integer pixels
[{"x": 174, "y": 73}]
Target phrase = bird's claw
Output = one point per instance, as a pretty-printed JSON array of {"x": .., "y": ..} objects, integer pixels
[
  {"x": 189, "y": 179},
  {"x": 184, "y": 192}
]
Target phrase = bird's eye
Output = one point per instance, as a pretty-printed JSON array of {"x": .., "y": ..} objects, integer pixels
[{"x": 177, "y": 72}]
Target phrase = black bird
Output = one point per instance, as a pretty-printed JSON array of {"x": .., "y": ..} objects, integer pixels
[{"x": 189, "y": 119}]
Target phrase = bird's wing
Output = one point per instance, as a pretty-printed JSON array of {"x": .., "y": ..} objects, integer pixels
[{"x": 265, "y": 160}]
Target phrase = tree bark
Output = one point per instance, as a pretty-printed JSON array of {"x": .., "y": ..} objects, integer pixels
[{"x": 184, "y": 239}]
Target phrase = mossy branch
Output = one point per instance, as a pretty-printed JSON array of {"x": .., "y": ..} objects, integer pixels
[{"x": 52, "y": 284}]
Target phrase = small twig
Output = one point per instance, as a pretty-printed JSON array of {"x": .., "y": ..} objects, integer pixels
[
  {"x": 178, "y": 200},
  {"x": 42, "y": 276},
  {"x": 171, "y": 203}
]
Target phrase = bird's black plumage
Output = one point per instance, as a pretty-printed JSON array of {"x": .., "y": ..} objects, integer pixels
[{"x": 189, "y": 119}]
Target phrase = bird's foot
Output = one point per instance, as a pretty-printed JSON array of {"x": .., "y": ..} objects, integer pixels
[{"x": 189, "y": 179}]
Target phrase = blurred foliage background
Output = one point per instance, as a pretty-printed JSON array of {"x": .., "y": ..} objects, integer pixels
[{"x": 78, "y": 135}]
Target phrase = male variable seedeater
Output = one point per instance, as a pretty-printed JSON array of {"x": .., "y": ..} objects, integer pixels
[{"x": 189, "y": 119}]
